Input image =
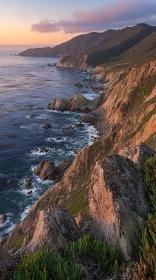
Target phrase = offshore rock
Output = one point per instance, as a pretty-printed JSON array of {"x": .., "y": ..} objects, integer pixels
[
  {"x": 75, "y": 103},
  {"x": 45, "y": 170},
  {"x": 117, "y": 203}
]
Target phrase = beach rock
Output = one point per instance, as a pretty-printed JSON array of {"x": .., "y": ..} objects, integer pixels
[
  {"x": 46, "y": 170},
  {"x": 28, "y": 184},
  {"x": 75, "y": 103},
  {"x": 3, "y": 218},
  {"x": 67, "y": 127},
  {"x": 5, "y": 259},
  {"x": 78, "y": 85},
  {"x": 46, "y": 126},
  {"x": 117, "y": 203}
]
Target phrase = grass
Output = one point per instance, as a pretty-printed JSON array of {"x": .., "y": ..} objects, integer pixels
[{"x": 146, "y": 267}]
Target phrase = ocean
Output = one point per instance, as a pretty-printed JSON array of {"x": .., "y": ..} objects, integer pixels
[{"x": 27, "y": 85}]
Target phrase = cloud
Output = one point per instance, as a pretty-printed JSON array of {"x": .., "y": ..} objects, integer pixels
[
  {"x": 46, "y": 26},
  {"x": 112, "y": 15}
]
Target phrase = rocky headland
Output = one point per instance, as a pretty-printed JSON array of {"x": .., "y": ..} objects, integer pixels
[{"x": 102, "y": 193}]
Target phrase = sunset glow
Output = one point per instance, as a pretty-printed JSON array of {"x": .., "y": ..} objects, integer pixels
[{"x": 53, "y": 22}]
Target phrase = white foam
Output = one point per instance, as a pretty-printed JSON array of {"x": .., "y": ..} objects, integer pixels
[
  {"x": 37, "y": 152},
  {"x": 52, "y": 139}
]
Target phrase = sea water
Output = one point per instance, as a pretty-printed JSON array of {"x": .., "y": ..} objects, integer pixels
[{"x": 27, "y": 85}]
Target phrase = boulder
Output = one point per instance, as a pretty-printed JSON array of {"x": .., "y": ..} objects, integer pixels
[
  {"x": 117, "y": 203},
  {"x": 61, "y": 168},
  {"x": 75, "y": 103},
  {"x": 46, "y": 170},
  {"x": 3, "y": 218},
  {"x": 5, "y": 259},
  {"x": 46, "y": 126}
]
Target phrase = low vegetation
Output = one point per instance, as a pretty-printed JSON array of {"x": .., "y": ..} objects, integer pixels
[{"x": 46, "y": 265}]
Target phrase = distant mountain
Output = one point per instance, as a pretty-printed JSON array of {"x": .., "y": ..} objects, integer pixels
[{"x": 112, "y": 45}]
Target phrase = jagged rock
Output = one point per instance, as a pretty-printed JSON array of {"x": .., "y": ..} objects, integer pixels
[
  {"x": 47, "y": 235},
  {"x": 5, "y": 259},
  {"x": 53, "y": 230},
  {"x": 3, "y": 218},
  {"x": 138, "y": 153},
  {"x": 67, "y": 224},
  {"x": 117, "y": 203},
  {"x": 75, "y": 103},
  {"x": 46, "y": 125},
  {"x": 45, "y": 170}
]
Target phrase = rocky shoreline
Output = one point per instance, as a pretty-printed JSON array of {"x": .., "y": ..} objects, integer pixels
[{"x": 102, "y": 192}]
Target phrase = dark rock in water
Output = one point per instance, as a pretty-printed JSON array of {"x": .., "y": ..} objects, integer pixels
[
  {"x": 75, "y": 103},
  {"x": 59, "y": 138},
  {"x": 44, "y": 150},
  {"x": 28, "y": 184},
  {"x": 80, "y": 124},
  {"x": 46, "y": 170},
  {"x": 3, "y": 218},
  {"x": 68, "y": 127},
  {"x": 78, "y": 85},
  {"x": 88, "y": 118},
  {"x": 46, "y": 125},
  {"x": 33, "y": 116},
  {"x": 30, "y": 192},
  {"x": 51, "y": 64},
  {"x": 84, "y": 91}
]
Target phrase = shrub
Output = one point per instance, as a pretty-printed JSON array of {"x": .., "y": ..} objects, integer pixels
[
  {"x": 107, "y": 256},
  {"x": 46, "y": 266}
]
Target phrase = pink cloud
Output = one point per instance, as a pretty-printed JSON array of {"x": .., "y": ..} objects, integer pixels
[{"x": 113, "y": 15}]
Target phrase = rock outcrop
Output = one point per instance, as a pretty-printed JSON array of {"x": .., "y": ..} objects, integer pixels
[
  {"x": 117, "y": 203},
  {"x": 47, "y": 169},
  {"x": 75, "y": 103},
  {"x": 5, "y": 259},
  {"x": 53, "y": 230}
]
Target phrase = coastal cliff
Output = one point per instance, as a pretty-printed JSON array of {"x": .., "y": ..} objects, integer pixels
[{"x": 102, "y": 192}]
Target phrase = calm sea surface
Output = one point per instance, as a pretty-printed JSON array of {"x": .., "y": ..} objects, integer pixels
[{"x": 27, "y": 85}]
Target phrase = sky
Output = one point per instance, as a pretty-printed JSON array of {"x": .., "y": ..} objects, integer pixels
[{"x": 51, "y": 22}]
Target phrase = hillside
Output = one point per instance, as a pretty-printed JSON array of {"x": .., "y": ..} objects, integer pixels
[{"x": 94, "y": 48}]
